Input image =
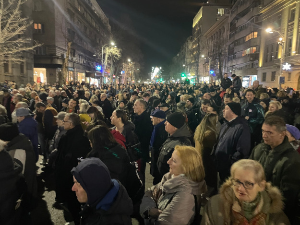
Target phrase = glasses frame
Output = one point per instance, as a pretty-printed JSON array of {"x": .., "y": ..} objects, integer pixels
[{"x": 239, "y": 183}]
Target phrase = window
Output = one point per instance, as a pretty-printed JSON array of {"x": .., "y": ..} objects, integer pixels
[
  {"x": 22, "y": 69},
  {"x": 289, "y": 77},
  {"x": 221, "y": 12},
  {"x": 72, "y": 52},
  {"x": 250, "y": 36},
  {"x": 273, "y": 76},
  {"x": 289, "y": 46},
  {"x": 264, "y": 77},
  {"x": 271, "y": 53},
  {"x": 40, "y": 50},
  {"x": 6, "y": 64},
  {"x": 38, "y": 28},
  {"x": 276, "y": 52},
  {"x": 249, "y": 51},
  {"x": 71, "y": 34},
  {"x": 292, "y": 15},
  {"x": 37, "y": 6},
  {"x": 267, "y": 54}
]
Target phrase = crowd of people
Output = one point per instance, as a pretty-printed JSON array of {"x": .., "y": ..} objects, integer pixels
[{"x": 218, "y": 154}]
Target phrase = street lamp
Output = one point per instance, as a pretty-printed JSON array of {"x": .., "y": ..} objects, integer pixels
[
  {"x": 103, "y": 66},
  {"x": 280, "y": 42}
]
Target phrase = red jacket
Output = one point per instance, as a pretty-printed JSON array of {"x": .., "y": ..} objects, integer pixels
[{"x": 119, "y": 137}]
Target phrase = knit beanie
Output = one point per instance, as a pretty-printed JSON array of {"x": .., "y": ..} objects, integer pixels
[
  {"x": 8, "y": 131},
  {"x": 94, "y": 177},
  {"x": 192, "y": 100},
  {"x": 176, "y": 119},
  {"x": 43, "y": 96},
  {"x": 294, "y": 131},
  {"x": 235, "y": 108}
]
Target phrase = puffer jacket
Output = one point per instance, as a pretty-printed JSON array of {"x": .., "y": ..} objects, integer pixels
[
  {"x": 224, "y": 209},
  {"x": 282, "y": 166},
  {"x": 176, "y": 199},
  {"x": 180, "y": 137}
]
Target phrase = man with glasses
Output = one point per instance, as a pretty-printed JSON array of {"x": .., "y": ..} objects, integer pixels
[
  {"x": 281, "y": 164},
  {"x": 71, "y": 146}
]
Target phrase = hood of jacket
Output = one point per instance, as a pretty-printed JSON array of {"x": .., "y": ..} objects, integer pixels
[
  {"x": 182, "y": 132},
  {"x": 182, "y": 183},
  {"x": 19, "y": 142},
  {"x": 272, "y": 199}
]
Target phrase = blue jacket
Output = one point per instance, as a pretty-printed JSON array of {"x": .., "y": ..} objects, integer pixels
[
  {"x": 28, "y": 127},
  {"x": 233, "y": 143}
]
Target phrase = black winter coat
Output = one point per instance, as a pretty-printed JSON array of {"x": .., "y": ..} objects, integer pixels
[
  {"x": 180, "y": 137},
  {"x": 118, "y": 214},
  {"x": 233, "y": 144},
  {"x": 107, "y": 108},
  {"x": 237, "y": 84},
  {"x": 71, "y": 146},
  {"x": 116, "y": 160},
  {"x": 143, "y": 129},
  {"x": 226, "y": 83}
]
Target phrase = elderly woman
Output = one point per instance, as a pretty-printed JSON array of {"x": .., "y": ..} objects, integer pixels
[
  {"x": 175, "y": 200},
  {"x": 275, "y": 109},
  {"x": 246, "y": 198}
]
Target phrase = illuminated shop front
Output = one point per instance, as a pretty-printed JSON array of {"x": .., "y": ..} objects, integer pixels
[
  {"x": 80, "y": 77},
  {"x": 204, "y": 79},
  {"x": 39, "y": 75}
]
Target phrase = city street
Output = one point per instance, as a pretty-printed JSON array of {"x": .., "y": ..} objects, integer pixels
[{"x": 46, "y": 214}]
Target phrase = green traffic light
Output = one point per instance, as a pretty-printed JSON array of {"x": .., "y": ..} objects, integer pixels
[{"x": 183, "y": 75}]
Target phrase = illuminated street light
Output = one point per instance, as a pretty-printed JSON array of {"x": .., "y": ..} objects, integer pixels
[
  {"x": 269, "y": 30},
  {"x": 129, "y": 60},
  {"x": 112, "y": 43},
  {"x": 183, "y": 65},
  {"x": 202, "y": 56}
]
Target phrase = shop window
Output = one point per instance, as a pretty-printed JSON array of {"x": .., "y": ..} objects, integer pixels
[
  {"x": 273, "y": 77},
  {"x": 38, "y": 28},
  {"x": 264, "y": 77},
  {"x": 289, "y": 77}
]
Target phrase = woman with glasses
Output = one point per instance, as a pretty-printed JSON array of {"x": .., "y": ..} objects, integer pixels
[{"x": 246, "y": 198}]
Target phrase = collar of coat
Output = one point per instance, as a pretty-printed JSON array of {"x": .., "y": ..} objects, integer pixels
[{"x": 271, "y": 201}]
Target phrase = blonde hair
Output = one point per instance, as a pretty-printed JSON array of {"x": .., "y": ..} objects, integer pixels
[
  {"x": 192, "y": 164},
  {"x": 208, "y": 123},
  {"x": 264, "y": 96},
  {"x": 236, "y": 100},
  {"x": 93, "y": 98},
  {"x": 276, "y": 103},
  {"x": 249, "y": 164}
]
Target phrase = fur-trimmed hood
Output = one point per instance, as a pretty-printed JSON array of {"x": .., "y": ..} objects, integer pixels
[{"x": 271, "y": 199}]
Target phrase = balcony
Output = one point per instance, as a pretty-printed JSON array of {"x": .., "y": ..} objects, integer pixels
[
  {"x": 251, "y": 43},
  {"x": 248, "y": 16}
]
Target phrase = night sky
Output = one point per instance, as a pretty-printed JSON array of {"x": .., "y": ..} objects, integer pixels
[{"x": 162, "y": 26}]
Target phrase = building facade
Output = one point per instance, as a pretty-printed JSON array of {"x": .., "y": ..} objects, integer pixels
[
  {"x": 79, "y": 24},
  {"x": 244, "y": 40},
  {"x": 280, "y": 56}
]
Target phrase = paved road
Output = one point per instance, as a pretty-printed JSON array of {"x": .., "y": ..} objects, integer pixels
[{"x": 46, "y": 214}]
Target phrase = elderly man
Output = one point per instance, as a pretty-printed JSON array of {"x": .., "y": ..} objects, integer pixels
[
  {"x": 158, "y": 137},
  {"x": 143, "y": 129},
  {"x": 233, "y": 141},
  {"x": 179, "y": 134},
  {"x": 18, "y": 105},
  {"x": 50, "y": 101},
  {"x": 106, "y": 106},
  {"x": 281, "y": 164},
  {"x": 73, "y": 145}
]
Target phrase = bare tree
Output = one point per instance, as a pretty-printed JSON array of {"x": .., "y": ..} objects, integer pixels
[{"x": 13, "y": 28}]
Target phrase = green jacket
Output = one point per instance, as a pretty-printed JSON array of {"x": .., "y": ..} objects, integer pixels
[{"x": 282, "y": 169}]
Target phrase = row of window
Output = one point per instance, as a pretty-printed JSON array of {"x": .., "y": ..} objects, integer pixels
[
  {"x": 273, "y": 76},
  {"x": 7, "y": 66}
]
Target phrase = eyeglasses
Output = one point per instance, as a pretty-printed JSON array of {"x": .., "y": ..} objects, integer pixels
[
  {"x": 247, "y": 185},
  {"x": 66, "y": 121}
]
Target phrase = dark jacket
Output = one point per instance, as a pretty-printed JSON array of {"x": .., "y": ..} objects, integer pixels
[
  {"x": 255, "y": 112},
  {"x": 71, "y": 146},
  {"x": 56, "y": 138},
  {"x": 12, "y": 188},
  {"x": 282, "y": 166},
  {"x": 233, "y": 144},
  {"x": 20, "y": 148},
  {"x": 58, "y": 102},
  {"x": 159, "y": 136},
  {"x": 49, "y": 122},
  {"x": 116, "y": 160},
  {"x": 193, "y": 117},
  {"x": 180, "y": 137},
  {"x": 237, "y": 84},
  {"x": 118, "y": 212},
  {"x": 107, "y": 108},
  {"x": 143, "y": 129},
  {"x": 226, "y": 83},
  {"x": 29, "y": 128}
]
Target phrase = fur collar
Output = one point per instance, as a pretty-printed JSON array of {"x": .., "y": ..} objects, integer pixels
[{"x": 271, "y": 198}]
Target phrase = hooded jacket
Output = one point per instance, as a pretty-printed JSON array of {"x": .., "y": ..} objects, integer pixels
[
  {"x": 180, "y": 137},
  {"x": 282, "y": 166},
  {"x": 20, "y": 148},
  {"x": 224, "y": 209},
  {"x": 114, "y": 209},
  {"x": 11, "y": 189},
  {"x": 177, "y": 201}
]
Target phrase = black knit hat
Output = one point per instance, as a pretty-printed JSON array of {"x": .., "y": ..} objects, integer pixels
[
  {"x": 176, "y": 119},
  {"x": 8, "y": 131},
  {"x": 235, "y": 108},
  {"x": 192, "y": 100}
]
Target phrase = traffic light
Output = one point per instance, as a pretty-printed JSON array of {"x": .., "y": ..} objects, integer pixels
[{"x": 183, "y": 75}]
